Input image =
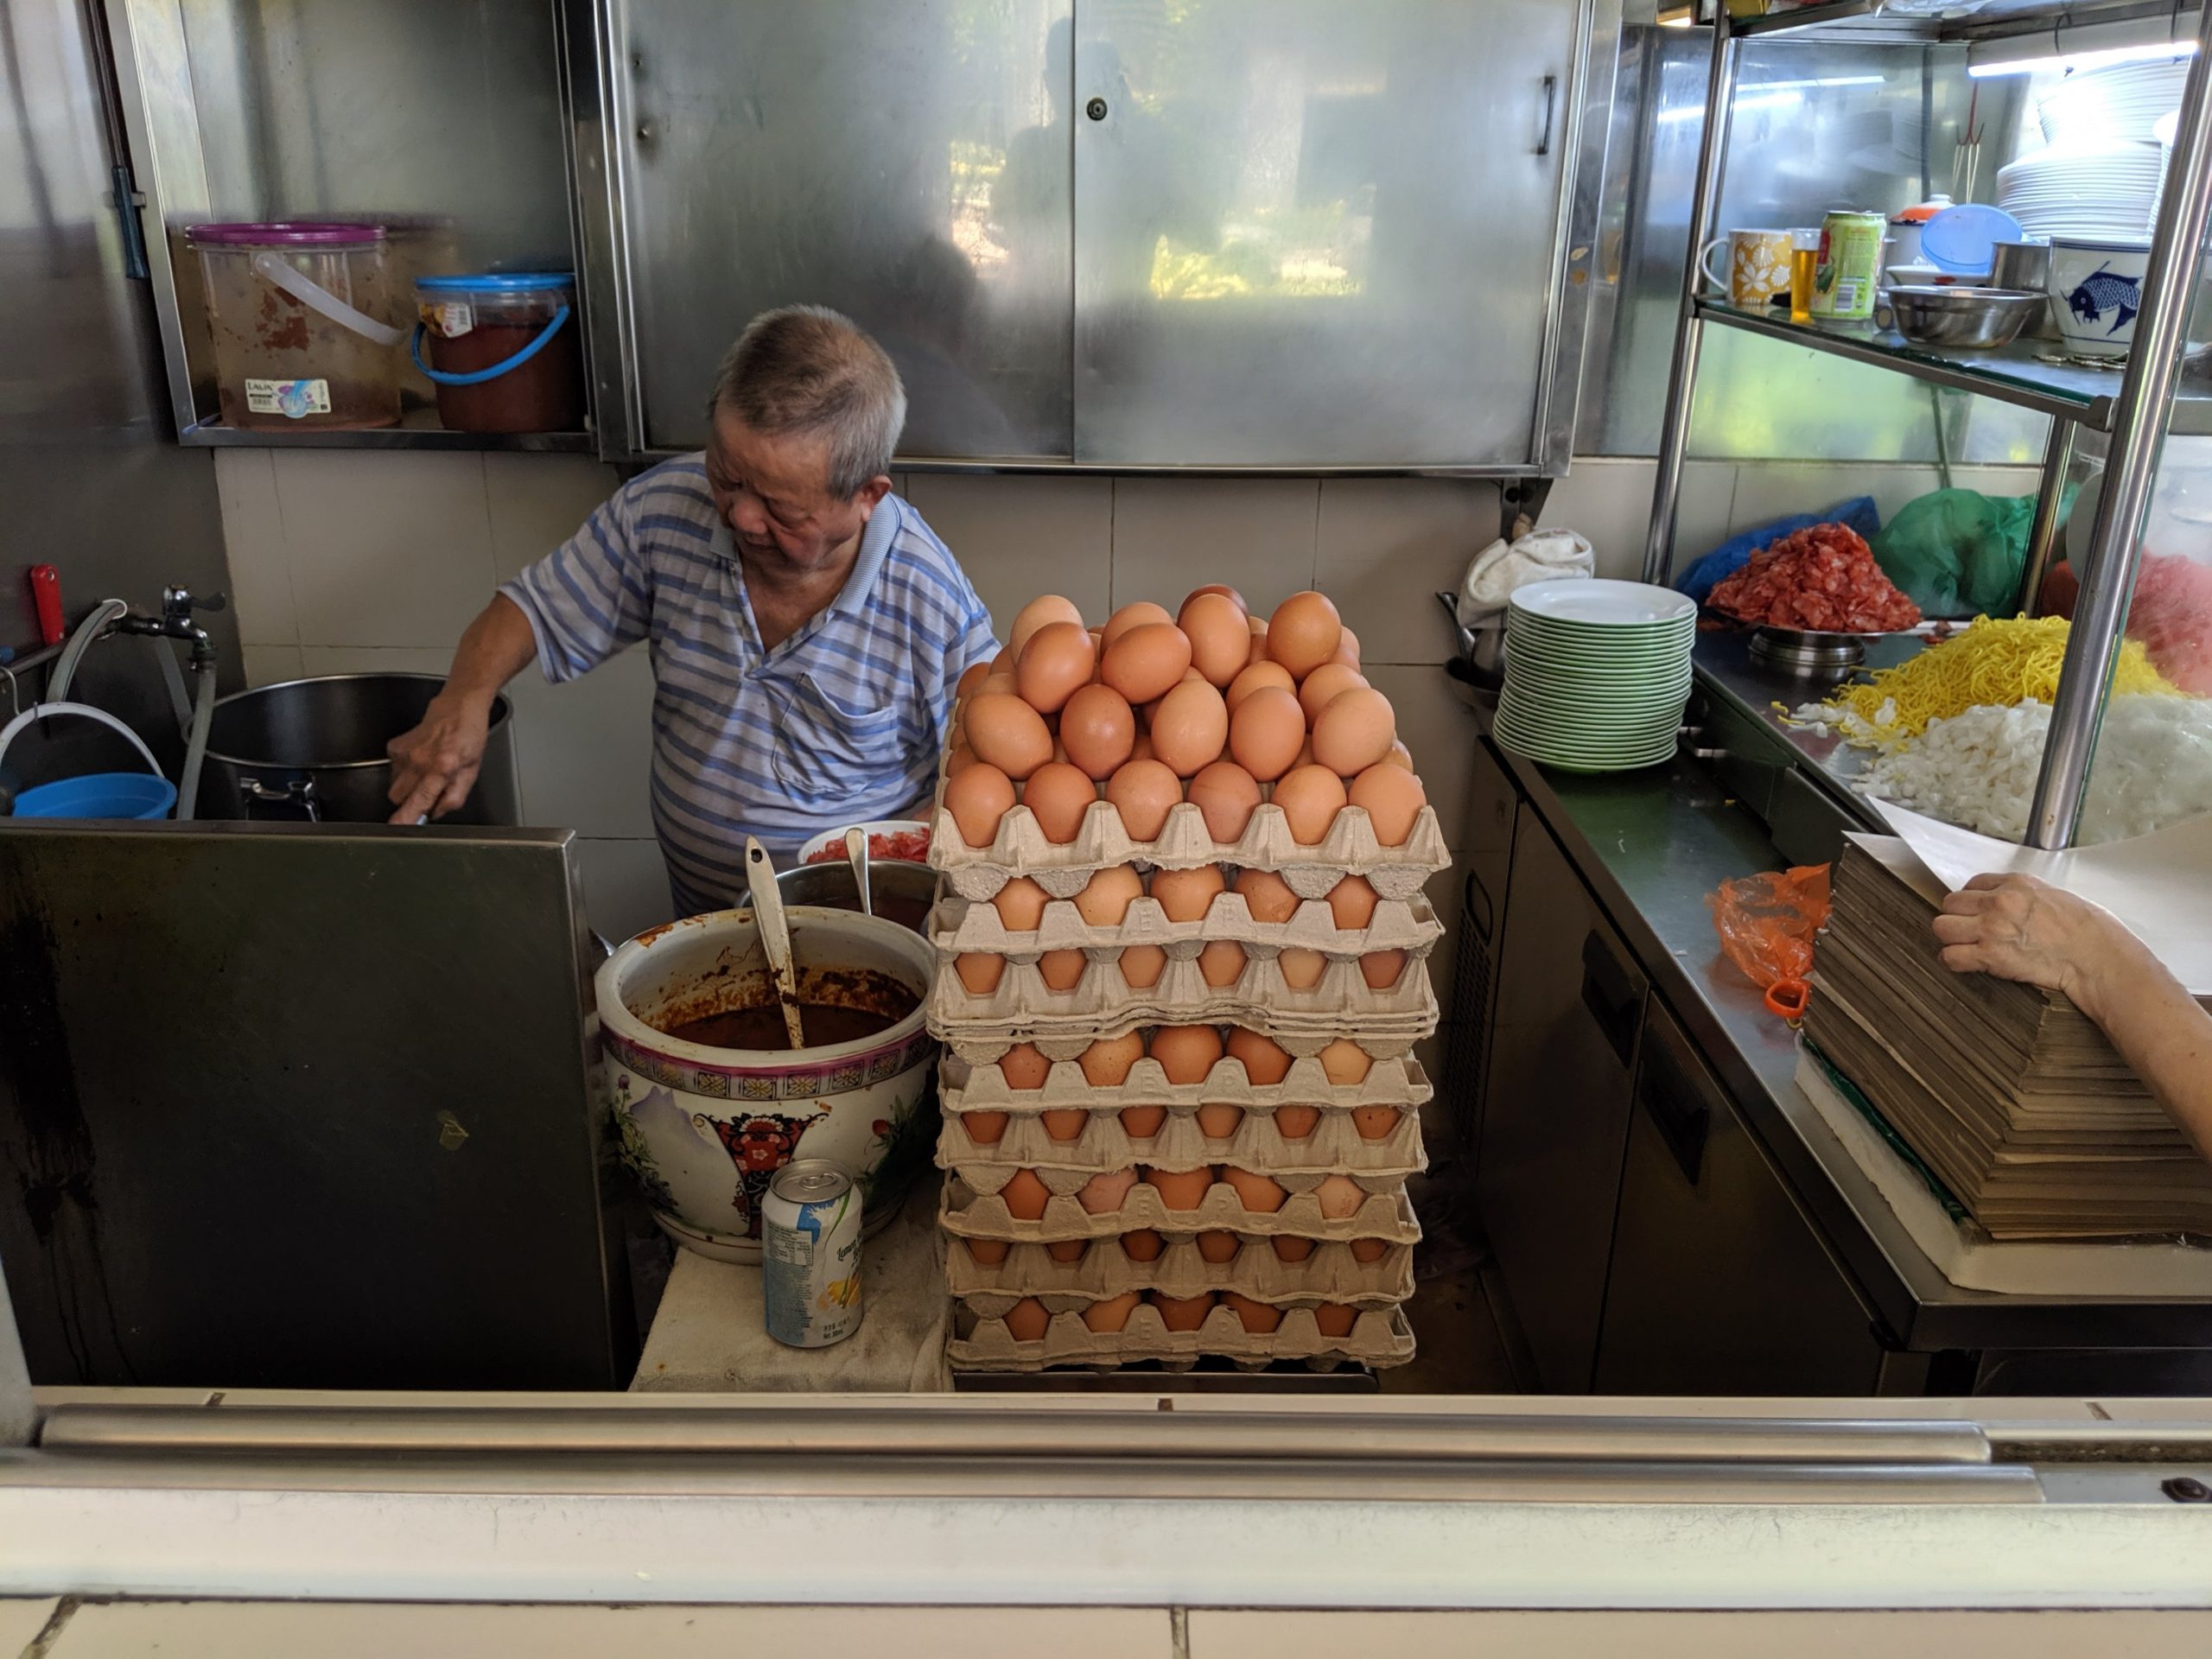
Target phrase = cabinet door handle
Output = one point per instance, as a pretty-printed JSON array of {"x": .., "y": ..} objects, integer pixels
[
  {"x": 1610, "y": 995},
  {"x": 1681, "y": 1116},
  {"x": 1551, "y": 112}
]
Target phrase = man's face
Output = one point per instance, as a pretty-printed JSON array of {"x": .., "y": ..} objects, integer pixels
[{"x": 771, "y": 493}]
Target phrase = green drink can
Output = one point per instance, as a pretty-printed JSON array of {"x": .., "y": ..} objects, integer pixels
[{"x": 1849, "y": 259}]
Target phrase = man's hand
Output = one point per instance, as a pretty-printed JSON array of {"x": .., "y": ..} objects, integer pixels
[
  {"x": 2018, "y": 927},
  {"x": 435, "y": 765}
]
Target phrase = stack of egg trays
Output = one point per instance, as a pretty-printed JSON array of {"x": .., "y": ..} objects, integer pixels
[{"x": 971, "y": 1208}]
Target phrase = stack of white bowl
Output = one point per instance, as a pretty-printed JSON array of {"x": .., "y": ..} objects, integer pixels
[{"x": 1597, "y": 674}]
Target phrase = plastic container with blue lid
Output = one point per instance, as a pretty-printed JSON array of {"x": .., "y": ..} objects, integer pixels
[
  {"x": 1962, "y": 241},
  {"x": 504, "y": 354}
]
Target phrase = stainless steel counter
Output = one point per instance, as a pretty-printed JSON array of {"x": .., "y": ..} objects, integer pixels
[{"x": 1650, "y": 845}]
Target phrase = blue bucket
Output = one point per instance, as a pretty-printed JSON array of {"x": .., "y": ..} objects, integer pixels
[{"x": 99, "y": 795}]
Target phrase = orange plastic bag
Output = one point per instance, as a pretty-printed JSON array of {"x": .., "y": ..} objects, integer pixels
[{"x": 1766, "y": 923}]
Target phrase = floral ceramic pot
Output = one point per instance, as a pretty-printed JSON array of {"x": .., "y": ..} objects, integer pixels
[{"x": 705, "y": 1128}]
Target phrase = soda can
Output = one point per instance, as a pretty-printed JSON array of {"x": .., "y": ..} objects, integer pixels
[
  {"x": 1851, "y": 259},
  {"x": 810, "y": 1254}
]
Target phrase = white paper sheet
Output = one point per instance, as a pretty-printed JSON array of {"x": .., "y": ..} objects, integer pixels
[{"x": 2160, "y": 885}]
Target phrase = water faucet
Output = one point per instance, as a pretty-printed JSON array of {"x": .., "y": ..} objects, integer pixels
[{"x": 176, "y": 622}]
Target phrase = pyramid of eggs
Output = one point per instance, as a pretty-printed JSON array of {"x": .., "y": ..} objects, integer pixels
[{"x": 1182, "y": 965}]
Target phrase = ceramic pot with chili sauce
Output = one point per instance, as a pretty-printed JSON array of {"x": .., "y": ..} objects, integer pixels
[{"x": 503, "y": 350}]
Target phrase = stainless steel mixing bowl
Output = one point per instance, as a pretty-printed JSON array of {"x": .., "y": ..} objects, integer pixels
[{"x": 1962, "y": 318}]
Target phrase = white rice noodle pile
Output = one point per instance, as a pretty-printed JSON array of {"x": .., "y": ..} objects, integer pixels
[{"x": 1978, "y": 769}]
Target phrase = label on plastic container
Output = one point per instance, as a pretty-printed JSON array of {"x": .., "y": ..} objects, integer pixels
[
  {"x": 449, "y": 319},
  {"x": 290, "y": 398}
]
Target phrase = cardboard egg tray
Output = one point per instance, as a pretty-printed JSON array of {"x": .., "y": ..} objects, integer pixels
[
  {"x": 960, "y": 926},
  {"x": 1022, "y": 1008},
  {"x": 1061, "y": 868},
  {"x": 1330, "y": 1274},
  {"x": 1380, "y": 1337},
  {"x": 967, "y": 1211},
  {"x": 980, "y": 1048},
  {"x": 1333, "y": 1147},
  {"x": 979, "y": 1085}
]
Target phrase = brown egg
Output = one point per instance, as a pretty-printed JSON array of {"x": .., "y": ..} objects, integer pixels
[
  {"x": 988, "y": 1252},
  {"x": 1382, "y": 969},
  {"x": 1142, "y": 966},
  {"x": 1259, "y": 1194},
  {"x": 1021, "y": 905},
  {"x": 1143, "y": 792},
  {"x": 1104, "y": 1193},
  {"x": 1046, "y": 608},
  {"x": 1400, "y": 755},
  {"x": 1296, "y": 1123},
  {"x": 1265, "y": 1061},
  {"x": 1221, "y": 962},
  {"x": 1392, "y": 798},
  {"x": 1057, "y": 795},
  {"x": 1370, "y": 1250},
  {"x": 1265, "y": 732},
  {"x": 1220, "y": 635},
  {"x": 1141, "y": 749},
  {"x": 1226, "y": 796},
  {"x": 1142, "y": 1245},
  {"x": 1190, "y": 727},
  {"x": 1180, "y": 1189},
  {"x": 1185, "y": 895},
  {"x": 1142, "y": 1123},
  {"x": 1339, "y": 1196},
  {"x": 1024, "y": 1195},
  {"x": 1098, "y": 730},
  {"x": 1352, "y": 902},
  {"x": 959, "y": 758},
  {"x": 1347, "y": 650},
  {"x": 1266, "y": 895},
  {"x": 1142, "y": 613},
  {"x": 1059, "y": 659},
  {"x": 984, "y": 1128},
  {"x": 1255, "y": 676},
  {"x": 1113, "y": 1314},
  {"x": 1287, "y": 1248},
  {"x": 998, "y": 682},
  {"x": 1311, "y": 797},
  {"x": 1008, "y": 733},
  {"x": 1068, "y": 1249},
  {"x": 1301, "y": 969},
  {"x": 1218, "y": 1247},
  {"x": 978, "y": 796},
  {"x": 1325, "y": 683},
  {"x": 1304, "y": 633},
  {"x": 1354, "y": 731},
  {"x": 1062, "y": 970},
  {"x": 1105, "y": 898},
  {"x": 1374, "y": 1122},
  {"x": 1106, "y": 1063},
  {"x": 1026, "y": 1320},
  {"x": 1336, "y": 1318},
  {"x": 1184, "y": 1312},
  {"x": 971, "y": 677},
  {"x": 1186, "y": 1053},
  {"x": 1258, "y": 1317},
  {"x": 979, "y": 971},
  {"x": 1145, "y": 663},
  {"x": 1218, "y": 1120},
  {"x": 1227, "y": 593},
  {"x": 1024, "y": 1068},
  {"x": 1344, "y": 1061},
  {"x": 1064, "y": 1123}
]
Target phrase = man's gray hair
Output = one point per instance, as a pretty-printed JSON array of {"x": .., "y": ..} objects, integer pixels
[{"x": 806, "y": 370}]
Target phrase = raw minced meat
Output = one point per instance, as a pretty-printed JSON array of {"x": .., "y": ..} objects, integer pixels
[{"x": 1823, "y": 578}]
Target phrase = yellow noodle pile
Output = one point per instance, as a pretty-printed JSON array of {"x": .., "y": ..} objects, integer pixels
[{"x": 1995, "y": 662}]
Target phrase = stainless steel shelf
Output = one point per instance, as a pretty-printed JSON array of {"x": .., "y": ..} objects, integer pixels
[
  {"x": 1868, "y": 20},
  {"x": 2011, "y": 374},
  {"x": 213, "y": 434}
]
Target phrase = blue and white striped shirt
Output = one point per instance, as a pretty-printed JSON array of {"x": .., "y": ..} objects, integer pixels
[{"x": 841, "y": 722}]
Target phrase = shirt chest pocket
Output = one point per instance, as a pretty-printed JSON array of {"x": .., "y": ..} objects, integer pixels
[{"x": 827, "y": 751}]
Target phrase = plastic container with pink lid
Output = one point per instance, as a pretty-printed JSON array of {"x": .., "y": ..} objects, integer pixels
[{"x": 299, "y": 314}]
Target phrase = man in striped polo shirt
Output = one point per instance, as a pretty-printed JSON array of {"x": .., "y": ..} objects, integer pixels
[{"x": 806, "y": 627}]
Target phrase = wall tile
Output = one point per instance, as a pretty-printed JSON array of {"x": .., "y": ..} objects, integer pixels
[
  {"x": 1708, "y": 499},
  {"x": 385, "y": 548},
  {"x": 376, "y": 659},
  {"x": 1769, "y": 490},
  {"x": 1018, "y": 537},
  {"x": 253, "y": 540},
  {"x": 1996, "y": 480},
  {"x": 1609, "y": 501},
  {"x": 1439, "y": 729},
  {"x": 536, "y": 502},
  {"x": 272, "y": 665},
  {"x": 1173, "y": 534},
  {"x": 1385, "y": 546},
  {"x": 625, "y": 887},
  {"x": 585, "y": 749}
]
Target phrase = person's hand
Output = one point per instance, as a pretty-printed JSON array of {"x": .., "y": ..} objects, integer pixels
[
  {"x": 2018, "y": 927},
  {"x": 435, "y": 765}
]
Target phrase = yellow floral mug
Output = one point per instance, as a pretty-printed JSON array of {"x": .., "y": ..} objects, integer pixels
[{"x": 1758, "y": 265}]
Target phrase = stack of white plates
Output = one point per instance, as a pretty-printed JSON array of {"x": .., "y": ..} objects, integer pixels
[
  {"x": 2106, "y": 190},
  {"x": 1596, "y": 674},
  {"x": 2097, "y": 106}
]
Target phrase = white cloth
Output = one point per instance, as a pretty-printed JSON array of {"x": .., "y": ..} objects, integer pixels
[{"x": 1536, "y": 555}]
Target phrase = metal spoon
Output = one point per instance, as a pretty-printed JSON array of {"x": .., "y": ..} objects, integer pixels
[
  {"x": 856, "y": 852},
  {"x": 775, "y": 935}
]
